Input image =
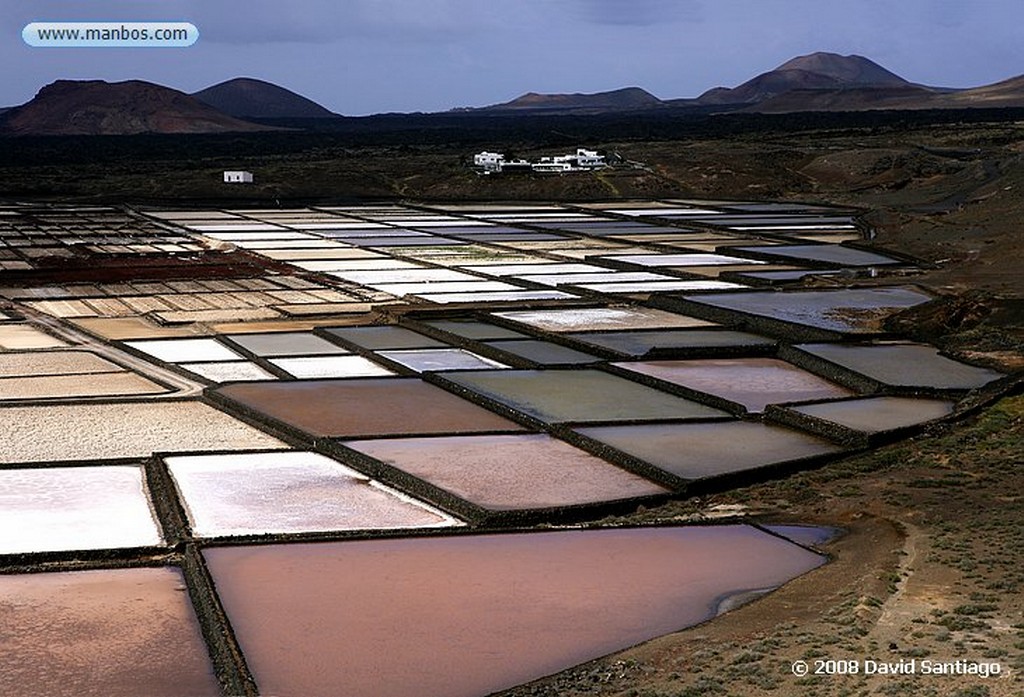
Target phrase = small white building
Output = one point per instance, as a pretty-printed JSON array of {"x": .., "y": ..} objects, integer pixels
[
  {"x": 549, "y": 165},
  {"x": 589, "y": 159},
  {"x": 489, "y": 161},
  {"x": 237, "y": 177}
]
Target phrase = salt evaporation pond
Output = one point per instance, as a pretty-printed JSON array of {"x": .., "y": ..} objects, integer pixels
[
  {"x": 57, "y": 509},
  {"x": 556, "y": 396},
  {"x": 851, "y": 310},
  {"x": 753, "y": 383},
  {"x": 386, "y": 337},
  {"x": 642, "y": 343},
  {"x": 289, "y": 492},
  {"x": 878, "y": 414},
  {"x": 286, "y": 344},
  {"x": 701, "y": 450},
  {"x": 601, "y": 319},
  {"x": 465, "y": 616},
  {"x": 366, "y": 407},
  {"x": 543, "y": 352},
  {"x": 115, "y": 633},
  {"x": 904, "y": 365},
  {"x": 114, "y": 430},
  {"x": 508, "y": 472}
]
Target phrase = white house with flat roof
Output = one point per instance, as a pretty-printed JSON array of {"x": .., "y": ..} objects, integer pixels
[
  {"x": 589, "y": 159},
  {"x": 488, "y": 161},
  {"x": 237, "y": 177}
]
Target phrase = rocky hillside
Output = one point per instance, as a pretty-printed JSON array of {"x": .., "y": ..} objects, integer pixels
[{"x": 96, "y": 107}]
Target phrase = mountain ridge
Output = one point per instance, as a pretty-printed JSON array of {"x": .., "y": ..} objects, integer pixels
[
  {"x": 97, "y": 107},
  {"x": 820, "y": 81},
  {"x": 817, "y": 82},
  {"x": 1006, "y": 93},
  {"x": 622, "y": 98}
]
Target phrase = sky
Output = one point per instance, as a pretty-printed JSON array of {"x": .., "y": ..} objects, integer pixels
[{"x": 361, "y": 57}]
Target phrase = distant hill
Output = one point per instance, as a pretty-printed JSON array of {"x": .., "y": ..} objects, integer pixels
[
  {"x": 1008, "y": 93},
  {"x": 96, "y": 107},
  {"x": 819, "y": 82},
  {"x": 849, "y": 99},
  {"x": 623, "y": 99},
  {"x": 809, "y": 78},
  {"x": 851, "y": 70},
  {"x": 817, "y": 71},
  {"x": 246, "y": 97}
]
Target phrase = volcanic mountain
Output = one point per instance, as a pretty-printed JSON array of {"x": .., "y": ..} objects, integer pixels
[
  {"x": 96, "y": 107},
  {"x": 623, "y": 99},
  {"x": 1008, "y": 93},
  {"x": 246, "y": 97},
  {"x": 817, "y": 71},
  {"x": 811, "y": 76}
]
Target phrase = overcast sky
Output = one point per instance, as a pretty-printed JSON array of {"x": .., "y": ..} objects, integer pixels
[{"x": 370, "y": 56}]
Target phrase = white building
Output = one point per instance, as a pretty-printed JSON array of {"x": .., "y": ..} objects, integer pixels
[
  {"x": 553, "y": 165},
  {"x": 489, "y": 161},
  {"x": 237, "y": 177},
  {"x": 583, "y": 160},
  {"x": 589, "y": 159}
]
